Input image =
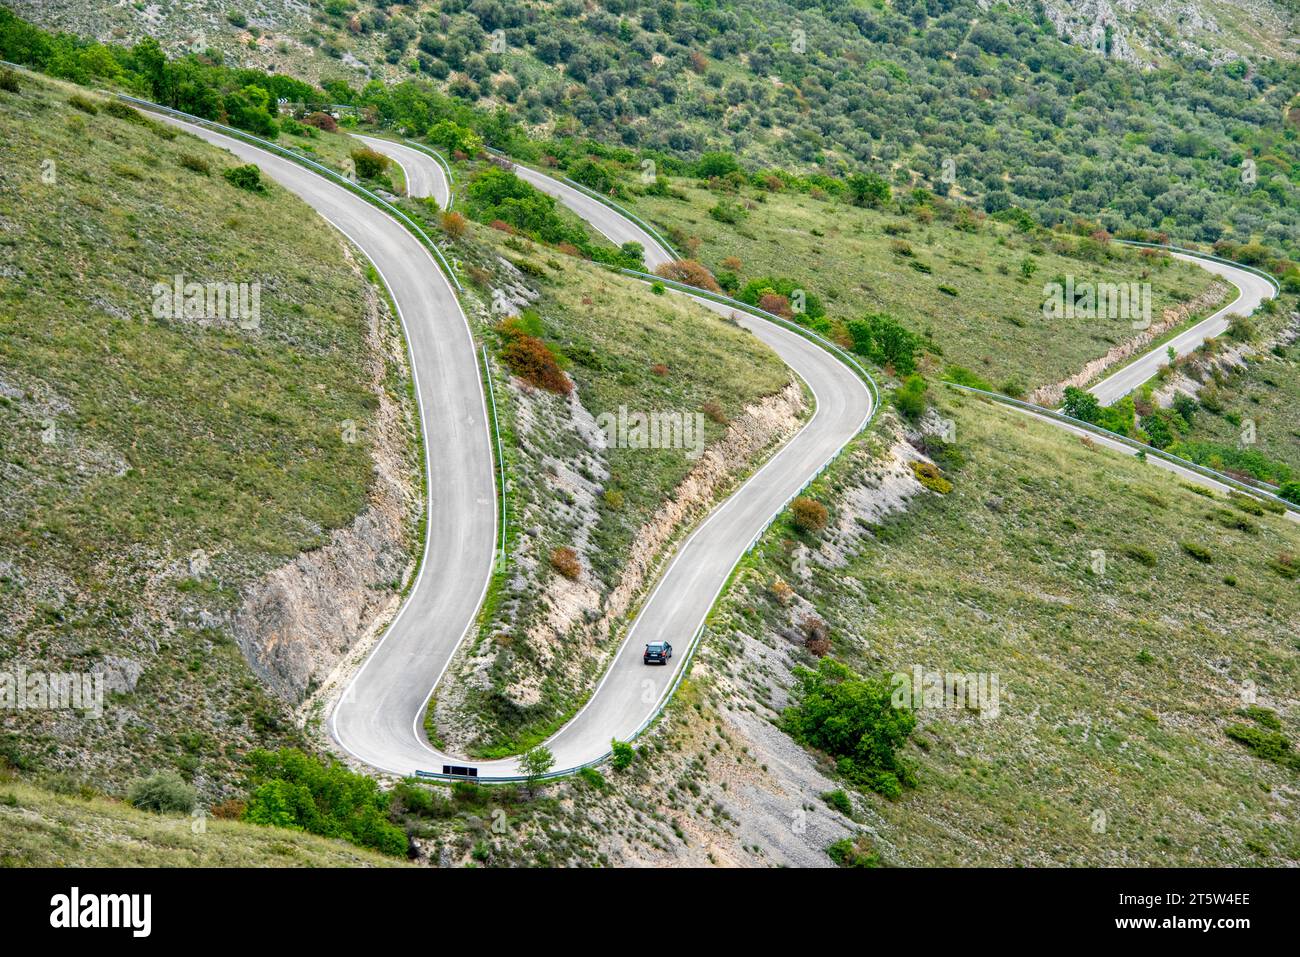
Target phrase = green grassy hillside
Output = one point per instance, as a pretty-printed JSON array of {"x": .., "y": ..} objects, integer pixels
[
  {"x": 973, "y": 287},
  {"x": 156, "y": 466},
  {"x": 1133, "y": 625},
  {"x": 42, "y": 828}
]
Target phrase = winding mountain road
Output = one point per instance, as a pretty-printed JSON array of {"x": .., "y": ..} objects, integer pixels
[
  {"x": 1252, "y": 290},
  {"x": 631, "y": 694},
  {"x": 379, "y": 717},
  {"x": 424, "y": 177},
  {"x": 380, "y": 704}
]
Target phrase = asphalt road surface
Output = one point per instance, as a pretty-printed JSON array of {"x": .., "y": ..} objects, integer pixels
[
  {"x": 1252, "y": 291},
  {"x": 631, "y": 692},
  {"x": 424, "y": 176}
]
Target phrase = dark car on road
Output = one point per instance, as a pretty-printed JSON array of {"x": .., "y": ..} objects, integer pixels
[{"x": 657, "y": 653}]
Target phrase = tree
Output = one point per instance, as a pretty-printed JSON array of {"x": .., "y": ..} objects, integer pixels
[
  {"x": 883, "y": 340},
  {"x": 868, "y": 189},
  {"x": 535, "y": 764},
  {"x": 1081, "y": 405},
  {"x": 854, "y": 720}
]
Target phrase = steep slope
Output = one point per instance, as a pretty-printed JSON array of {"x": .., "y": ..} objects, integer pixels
[{"x": 204, "y": 507}]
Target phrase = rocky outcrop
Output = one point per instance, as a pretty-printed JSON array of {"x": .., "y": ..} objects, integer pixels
[{"x": 296, "y": 622}]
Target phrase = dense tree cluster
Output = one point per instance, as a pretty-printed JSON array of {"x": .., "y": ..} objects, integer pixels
[{"x": 988, "y": 104}]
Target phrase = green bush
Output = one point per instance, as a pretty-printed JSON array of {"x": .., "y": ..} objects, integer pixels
[
  {"x": 195, "y": 164},
  {"x": 885, "y": 341},
  {"x": 910, "y": 398},
  {"x": 623, "y": 755},
  {"x": 1141, "y": 555},
  {"x": 1267, "y": 745},
  {"x": 1198, "y": 552},
  {"x": 592, "y": 777},
  {"x": 838, "y": 800},
  {"x": 161, "y": 792},
  {"x": 369, "y": 164},
  {"x": 247, "y": 177},
  {"x": 848, "y": 852},
  {"x": 853, "y": 720},
  {"x": 298, "y": 791}
]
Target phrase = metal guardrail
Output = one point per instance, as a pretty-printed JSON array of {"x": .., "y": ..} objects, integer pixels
[
  {"x": 441, "y": 161},
  {"x": 1220, "y": 477},
  {"x": 1170, "y": 247},
  {"x": 501, "y": 461},
  {"x": 355, "y": 188}
]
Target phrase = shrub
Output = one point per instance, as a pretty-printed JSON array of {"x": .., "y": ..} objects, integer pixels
[
  {"x": 909, "y": 398},
  {"x": 161, "y": 792},
  {"x": 963, "y": 376},
  {"x": 809, "y": 514},
  {"x": 296, "y": 790},
  {"x": 1198, "y": 552},
  {"x": 369, "y": 164},
  {"x": 847, "y": 852},
  {"x": 247, "y": 177},
  {"x": 613, "y": 499},
  {"x": 322, "y": 121},
  {"x": 714, "y": 412},
  {"x": 83, "y": 103},
  {"x": 9, "y": 81},
  {"x": 195, "y": 164},
  {"x": 868, "y": 189},
  {"x": 565, "y": 561},
  {"x": 816, "y": 636},
  {"x": 853, "y": 720},
  {"x": 532, "y": 360},
  {"x": 884, "y": 341},
  {"x": 453, "y": 224},
  {"x": 781, "y": 591},
  {"x": 691, "y": 272},
  {"x": 592, "y": 777},
  {"x": 838, "y": 800},
  {"x": 623, "y": 754},
  {"x": 124, "y": 112},
  {"x": 797, "y": 298},
  {"x": 232, "y": 809},
  {"x": 727, "y": 211},
  {"x": 1264, "y": 744},
  {"x": 1286, "y": 565},
  {"x": 1143, "y": 556},
  {"x": 929, "y": 475}
]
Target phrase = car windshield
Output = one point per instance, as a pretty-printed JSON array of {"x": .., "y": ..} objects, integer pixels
[{"x": 655, "y": 646}]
